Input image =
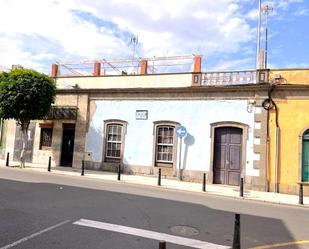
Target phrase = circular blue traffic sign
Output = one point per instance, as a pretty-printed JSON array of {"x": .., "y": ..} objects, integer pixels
[{"x": 181, "y": 131}]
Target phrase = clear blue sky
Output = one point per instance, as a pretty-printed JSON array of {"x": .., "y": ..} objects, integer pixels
[{"x": 36, "y": 33}]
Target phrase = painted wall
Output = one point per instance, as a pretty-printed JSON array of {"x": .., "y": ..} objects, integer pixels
[
  {"x": 130, "y": 81},
  {"x": 293, "y": 121},
  {"x": 196, "y": 116},
  {"x": 290, "y": 76}
]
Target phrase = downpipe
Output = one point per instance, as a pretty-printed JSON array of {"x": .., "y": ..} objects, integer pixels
[
  {"x": 269, "y": 104},
  {"x": 277, "y": 160}
]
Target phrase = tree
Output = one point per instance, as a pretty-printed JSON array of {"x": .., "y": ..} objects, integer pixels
[{"x": 25, "y": 95}]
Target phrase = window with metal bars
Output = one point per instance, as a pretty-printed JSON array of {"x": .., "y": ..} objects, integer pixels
[
  {"x": 46, "y": 138},
  {"x": 113, "y": 140},
  {"x": 165, "y": 144}
]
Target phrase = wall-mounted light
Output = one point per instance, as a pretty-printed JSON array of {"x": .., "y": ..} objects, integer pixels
[
  {"x": 250, "y": 104},
  {"x": 277, "y": 78}
]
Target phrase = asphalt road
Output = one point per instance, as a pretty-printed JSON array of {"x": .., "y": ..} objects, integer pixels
[{"x": 42, "y": 211}]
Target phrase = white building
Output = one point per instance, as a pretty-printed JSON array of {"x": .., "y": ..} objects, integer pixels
[{"x": 131, "y": 120}]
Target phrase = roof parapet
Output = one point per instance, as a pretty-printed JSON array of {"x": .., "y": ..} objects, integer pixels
[{"x": 143, "y": 66}]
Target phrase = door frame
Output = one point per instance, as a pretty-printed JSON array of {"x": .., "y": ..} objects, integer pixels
[
  {"x": 300, "y": 153},
  {"x": 62, "y": 130},
  {"x": 245, "y": 137}
]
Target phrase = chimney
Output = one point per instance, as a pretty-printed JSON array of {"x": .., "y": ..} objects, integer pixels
[
  {"x": 197, "y": 64},
  {"x": 54, "y": 71},
  {"x": 143, "y": 64},
  {"x": 97, "y": 69}
]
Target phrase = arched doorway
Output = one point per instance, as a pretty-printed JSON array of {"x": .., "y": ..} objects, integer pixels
[
  {"x": 227, "y": 155},
  {"x": 305, "y": 157}
]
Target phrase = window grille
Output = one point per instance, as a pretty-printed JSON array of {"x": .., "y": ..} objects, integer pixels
[{"x": 46, "y": 137}]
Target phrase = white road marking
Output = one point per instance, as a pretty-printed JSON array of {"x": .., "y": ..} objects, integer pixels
[
  {"x": 149, "y": 234},
  {"x": 34, "y": 235}
]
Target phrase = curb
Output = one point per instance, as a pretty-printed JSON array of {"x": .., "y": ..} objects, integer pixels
[{"x": 77, "y": 173}]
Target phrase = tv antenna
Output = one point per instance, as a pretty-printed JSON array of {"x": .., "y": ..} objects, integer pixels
[
  {"x": 266, "y": 10},
  {"x": 134, "y": 43},
  {"x": 258, "y": 47}
]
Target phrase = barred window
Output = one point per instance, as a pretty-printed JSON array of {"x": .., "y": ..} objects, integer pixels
[
  {"x": 165, "y": 143},
  {"x": 46, "y": 138},
  {"x": 113, "y": 140}
]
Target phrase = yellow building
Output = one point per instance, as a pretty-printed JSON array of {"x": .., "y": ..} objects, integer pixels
[{"x": 288, "y": 143}]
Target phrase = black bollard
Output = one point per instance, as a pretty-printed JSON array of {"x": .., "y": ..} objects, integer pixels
[
  {"x": 236, "y": 238},
  {"x": 162, "y": 245},
  {"x": 83, "y": 168},
  {"x": 119, "y": 172},
  {"x": 241, "y": 191},
  {"x": 204, "y": 182},
  {"x": 7, "y": 159},
  {"x": 159, "y": 177},
  {"x": 49, "y": 164},
  {"x": 301, "y": 194}
]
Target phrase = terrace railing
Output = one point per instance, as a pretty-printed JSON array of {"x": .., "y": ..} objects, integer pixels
[{"x": 229, "y": 78}]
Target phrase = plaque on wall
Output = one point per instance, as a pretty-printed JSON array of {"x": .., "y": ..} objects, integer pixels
[{"x": 141, "y": 115}]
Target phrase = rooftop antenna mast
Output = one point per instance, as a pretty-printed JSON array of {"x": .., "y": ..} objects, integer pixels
[
  {"x": 134, "y": 42},
  {"x": 266, "y": 10},
  {"x": 258, "y": 49}
]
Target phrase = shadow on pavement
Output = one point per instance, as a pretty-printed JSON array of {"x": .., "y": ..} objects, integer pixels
[{"x": 28, "y": 207}]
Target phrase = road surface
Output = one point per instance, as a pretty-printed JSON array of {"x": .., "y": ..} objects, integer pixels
[{"x": 42, "y": 210}]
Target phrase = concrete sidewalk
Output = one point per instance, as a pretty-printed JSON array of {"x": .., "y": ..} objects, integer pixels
[{"x": 212, "y": 189}]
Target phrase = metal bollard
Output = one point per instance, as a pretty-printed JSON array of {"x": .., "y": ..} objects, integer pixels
[
  {"x": 301, "y": 194},
  {"x": 7, "y": 159},
  {"x": 49, "y": 164},
  {"x": 162, "y": 245},
  {"x": 204, "y": 182},
  {"x": 159, "y": 177},
  {"x": 241, "y": 190},
  {"x": 119, "y": 172},
  {"x": 236, "y": 238},
  {"x": 83, "y": 168}
]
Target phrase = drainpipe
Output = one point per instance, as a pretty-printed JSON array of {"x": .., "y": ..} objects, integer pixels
[
  {"x": 266, "y": 189},
  {"x": 269, "y": 104},
  {"x": 277, "y": 150}
]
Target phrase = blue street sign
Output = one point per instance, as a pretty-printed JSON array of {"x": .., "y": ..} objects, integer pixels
[{"x": 181, "y": 131}]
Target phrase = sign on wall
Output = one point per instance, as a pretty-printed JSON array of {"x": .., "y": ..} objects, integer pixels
[{"x": 141, "y": 115}]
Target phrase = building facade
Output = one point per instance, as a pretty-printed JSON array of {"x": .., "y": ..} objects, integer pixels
[
  {"x": 131, "y": 120},
  {"x": 288, "y": 131}
]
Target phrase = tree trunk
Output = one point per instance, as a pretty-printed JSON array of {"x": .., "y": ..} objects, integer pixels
[{"x": 24, "y": 131}]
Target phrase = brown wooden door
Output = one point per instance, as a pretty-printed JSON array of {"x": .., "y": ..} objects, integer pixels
[{"x": 227, "y": 155}]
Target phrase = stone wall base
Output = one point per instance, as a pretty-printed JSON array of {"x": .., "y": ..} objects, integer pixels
[{"x": 251, "y": 182}]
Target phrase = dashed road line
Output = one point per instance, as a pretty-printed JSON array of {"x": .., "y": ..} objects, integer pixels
[
  {"x": 150, "y": 234},
  {"x": 34, "y": 235}
]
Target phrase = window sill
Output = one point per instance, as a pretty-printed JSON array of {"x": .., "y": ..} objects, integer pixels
[
  {"x": 112, "y": 160},
  {"x": 45, "y": 148},
  {"x": 166, "y": 165}
]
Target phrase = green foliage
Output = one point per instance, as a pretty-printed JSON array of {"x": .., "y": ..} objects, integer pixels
[{"x": 25, "y": 95}]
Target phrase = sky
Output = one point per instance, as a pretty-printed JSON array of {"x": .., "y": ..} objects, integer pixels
[{"x": 37, "y": 33}]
